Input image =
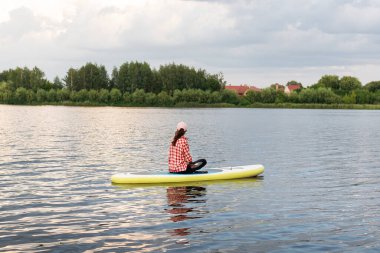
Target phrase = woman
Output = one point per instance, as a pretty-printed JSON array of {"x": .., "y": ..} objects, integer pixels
[{"x": 180, "y": 160}]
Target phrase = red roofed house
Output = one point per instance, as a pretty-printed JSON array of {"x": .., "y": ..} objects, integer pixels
[
  {"x": 292, "y": 87},
  {"x": 242, "y": 89}
]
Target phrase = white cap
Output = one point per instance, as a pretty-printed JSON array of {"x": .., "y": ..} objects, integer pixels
[{"x": 182, "y": 125}]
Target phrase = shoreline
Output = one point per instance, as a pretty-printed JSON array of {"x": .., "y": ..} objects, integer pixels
[{"x": 219, "y": 105}]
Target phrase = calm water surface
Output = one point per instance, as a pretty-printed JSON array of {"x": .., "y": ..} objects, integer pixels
[{"x": 319, "y": 193}]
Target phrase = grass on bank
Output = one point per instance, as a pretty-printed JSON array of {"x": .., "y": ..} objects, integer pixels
[{"x": 216, "y": 105}]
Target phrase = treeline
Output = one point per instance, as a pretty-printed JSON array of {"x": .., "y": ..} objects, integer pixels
[
  {"x": 32, "y": 79},
  {"x": 330, "y": 89},
  {"x": 129, "y": 77},
  {"x": 137, "y": 84},
  {"x": 133, "y": 83}
]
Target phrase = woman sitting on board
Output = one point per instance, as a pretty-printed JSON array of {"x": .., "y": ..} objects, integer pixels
[{"x": 180, "y": 160}]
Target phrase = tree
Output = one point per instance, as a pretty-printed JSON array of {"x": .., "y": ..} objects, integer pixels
[
  {"x": 139, "y": 76},
  {"x": 376, "y": 97},
  {"x": 363, "y": 96},
  {"x": 26, "y": 78},
  {"x": 122, "y": 78},
  {"x": 58, "y": 84},
  {"x": 89, "y": 76},
  {"x": 156, "y": 82},
  {"x": 169, "y": 78},
  {"x": 114, "y": 78},
  {"x": 348, "y": 84},
  {"x": 373, "y": 86},
  {"x": 215, "y": 82},
  {"x": 329, "y": 81},
  {"x": 293, "y": 83},
  {"x": 36, "y": 79},
  {"x": 146, "y": 77},
  {"x": 71, "y": 80},
  {"x": 180, "y": 77},
  {"x": 94, "y": 76}
]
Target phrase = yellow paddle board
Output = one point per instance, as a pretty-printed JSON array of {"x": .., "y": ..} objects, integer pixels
[{"x": 166, "y": 177}]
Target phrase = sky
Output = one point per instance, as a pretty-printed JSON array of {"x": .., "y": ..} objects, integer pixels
[{"x": 254, "y": 42}]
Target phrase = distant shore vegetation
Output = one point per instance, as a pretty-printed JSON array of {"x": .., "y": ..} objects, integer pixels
[{"x": 174, "y": 85}]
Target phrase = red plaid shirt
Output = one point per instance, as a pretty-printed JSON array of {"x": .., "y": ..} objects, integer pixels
[{"x": 179, "y": 155}]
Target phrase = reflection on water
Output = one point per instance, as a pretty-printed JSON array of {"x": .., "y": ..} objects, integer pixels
[{"x": 181, "y": 205}]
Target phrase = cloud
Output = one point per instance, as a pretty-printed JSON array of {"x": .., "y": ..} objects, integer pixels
[
  {"x": 22, "y": 22},
  {"x": 260, "y": 37}
]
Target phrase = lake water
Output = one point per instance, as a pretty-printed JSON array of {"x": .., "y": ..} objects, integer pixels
[{"x": 319, "y": 193}]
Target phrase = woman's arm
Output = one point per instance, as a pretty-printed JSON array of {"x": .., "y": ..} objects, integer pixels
[{"x": 186, "y": 151}]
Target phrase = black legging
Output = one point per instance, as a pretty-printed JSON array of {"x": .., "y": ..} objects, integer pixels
[{"x": 199, "y": 164}]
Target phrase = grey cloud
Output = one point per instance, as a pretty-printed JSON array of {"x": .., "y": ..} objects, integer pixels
[
  {"x": 263, "y": 34},
  {"x": 21, "y": 22}
]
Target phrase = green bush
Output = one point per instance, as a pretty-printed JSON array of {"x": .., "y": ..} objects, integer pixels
[
  {"x": 93, "y": 95},
  {"x": 350, "y": 98},
  {"x": 230, "y": 97},
  {"x": 138, "y": 97},
  {"x": 82, "y": 95},
  {"x": 215, "y": 97},
  {"x": 6, "y": 96},
  {"x": 21, "y": 95},
  {"x": 318, "y": 96},
  {"x": 281, "y": 97},
  {"x": 115, "y": 95},
  {"x": 294, "y": 97},
  {"x": 63, "y": 95},
  {"x": 52, "y": 95},
  {"x": 104, "y": 96},
  {"x": 268, "y": 95},
  {"x": 150, "y": 99},
  {"x": 253, "y": 96},
  {"x": 243, "y": 101},
  {"x": 178, "y": 96},
  {"x": 31, "y": 96},
  {"x": 164, "y": 99},
  {"x": 127, "y": 97},
  {"x": 191, "y": 95},
  {"x": 41, "y": 95}
]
